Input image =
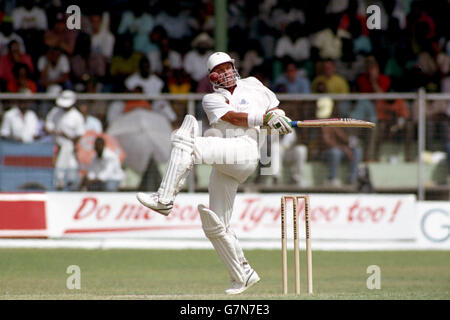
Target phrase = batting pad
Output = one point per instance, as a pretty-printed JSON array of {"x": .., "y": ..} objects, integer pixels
[
  {"x": 222, "y": 242},
  {"x": 181, "y": 160}
]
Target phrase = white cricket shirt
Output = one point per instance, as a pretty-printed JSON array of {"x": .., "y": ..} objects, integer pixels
[
  {"x": 18, "y": 126},
  {"x": 250, "y": 95}
]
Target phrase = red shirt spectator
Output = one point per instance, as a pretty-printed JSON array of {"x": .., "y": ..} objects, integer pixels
[
  {"x": 372, "y": 80},
  {"x": 13, "y": 56},
  {"x": 21, "y": 81}
]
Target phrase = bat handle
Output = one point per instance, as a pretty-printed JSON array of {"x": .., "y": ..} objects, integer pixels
[{"x": 294, "y": 124}]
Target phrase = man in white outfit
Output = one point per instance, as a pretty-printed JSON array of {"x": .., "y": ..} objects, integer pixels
[{"x": 236, "y": 111}]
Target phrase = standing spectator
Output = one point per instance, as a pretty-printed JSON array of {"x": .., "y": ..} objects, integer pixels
[
  {"x": 20, "y": 123},
  {"x": 253, "y": 57},
  {"x": 60, "y": 36},
  {"x": 7, "y": 35},
  {"x": 333, "y": 82},
  {"x": 124, "y": 63},
  {"x": 22, "y": 80},
  {"x": 105, "y": 172},
  {"x": 85, "y": 64},
  {"x": 54, "y": 68},
  {"x": 335, "y": 145},
  {"x": 12, "y": 57},
  {"x": 151, "y": 84},
  {"x": 139, "y": 23},
  {"x": 69, "y": 128},
  {"x": 102, "y": 40},
  {"x": 294, "y": 44},
  {"x": 292, "y": 80},
  {"x": 195, "y": 59}
]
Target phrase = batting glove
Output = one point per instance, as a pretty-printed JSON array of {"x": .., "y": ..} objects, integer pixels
[{"x": 277, "y": 120}]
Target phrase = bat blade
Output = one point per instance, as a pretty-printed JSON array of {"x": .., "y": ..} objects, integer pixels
[{"x": 333, "y": 122}]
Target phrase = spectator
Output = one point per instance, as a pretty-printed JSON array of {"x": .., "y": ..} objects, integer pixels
[
  {"x": 165, "y": 58},
  {"x": 372, "y": 80},
  {"x": 294, "y": 43},
  {"x": 13, "y": 56},
  {"x": 30, "y": 22},
  {"x": 7, "y": 35},
  {"x": 54, "y": 68},
  {"x": 253, "y": 57},
  {"x": 333, "y": 82},
  {"x": 293, "y": 154},
  {"x": 91, "y": 123},
  {"x": 29, "y": 17},
  {"x": 22, "y": 80},
  {"x": 175, "y": 21},
  {"x": 124, "y": 63},
  {"x": 292, "y": 80},
  {"x": 435, "y": 65},
  {"x": 85, "y": 64},
  {"x": 394, "y": 125},
  {"x": 105, "y": 172},
  {"x": 151, "y": 84},
  {"x": 139, "y": 23},
  {"x": 69, "y": 128},
  {"x": 102, "y": 40},
  {"x": 20, "y": 123},
  {"x": 195, "y": 59},
  {"x": 60, "y": 36},
  {"x": 335, "y": 144},
  {"x": 130, "y": 105},
  {"x": 202, "y": 18},
  {"x": 327, "y": 42}
]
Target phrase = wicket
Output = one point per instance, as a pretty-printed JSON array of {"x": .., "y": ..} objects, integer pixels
[{"x": 296, "y": 243}]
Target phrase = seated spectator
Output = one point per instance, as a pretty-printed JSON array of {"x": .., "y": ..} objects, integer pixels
[
  {"x": 124, "y": 63},
  {"x": 30, "y": 22},
  {"x": 102, "y": 40},
  {"x": 165, "y": 58},
  {"x": 201, "y": 18},
  {"x": 22, "y": 80},
  {"x": 69, "y": 128},
  {"x": 362, "y": 110},
  {"x": 175, "y": 21},
  {"x": 435, "y": 65},
  {"x": 151, "y": 84},
  {"x": 130, "y": 105},
  {"x": 372, "y": 80},
  {"x": 85, "y": 64},
  {"x": 335, "y": 145},
  {"x": 105, "y": 172},
  {"x": 54, "y": 68},
  {"x": 195, "y": 60},
  {"x": 294, "y": 154},
  {"x": 327, "y": 42},
  {"x": 13, "y": 56},
  {"x": 334, "y": 83},
  {"x": 292, "y": 80},
  {"x": 7, "y": 35},
  {"x": 91, "y": 123},
  {"x": 253, "y": 58},
  {"x": 294, "y": 44},
  {"x": 394, "y": 125},
  {"x": 139, "y": 23},
  {"x": 29, "y": 16},
  {"x": 20, "y": 123},
  {"x": 60, "y": 36}
]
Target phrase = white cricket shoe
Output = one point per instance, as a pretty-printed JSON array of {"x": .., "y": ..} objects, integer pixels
[
  {"x": 237, "y": 287},
  {"x": 152, "y": 201}
]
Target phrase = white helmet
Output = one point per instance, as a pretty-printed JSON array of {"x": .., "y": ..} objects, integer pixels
[
  {"x": 227, "y": 79},
  {"x": 66, "y": 99},
  {"x": 218, "y": 58}
]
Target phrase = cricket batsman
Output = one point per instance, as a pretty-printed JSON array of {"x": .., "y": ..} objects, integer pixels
[{"x": 237, "y": 108}]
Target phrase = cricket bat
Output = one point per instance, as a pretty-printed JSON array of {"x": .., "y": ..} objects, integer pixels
[{"x": 333, "y": 122}]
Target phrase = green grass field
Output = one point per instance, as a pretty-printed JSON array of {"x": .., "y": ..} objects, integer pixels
[{"x": 199, "y": 274}]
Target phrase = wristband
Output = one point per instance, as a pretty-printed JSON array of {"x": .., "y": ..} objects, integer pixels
[{"x": 255, "y": 119}]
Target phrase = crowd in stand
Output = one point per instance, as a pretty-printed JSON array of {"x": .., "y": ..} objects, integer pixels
[{"x": 156, "y": 46}]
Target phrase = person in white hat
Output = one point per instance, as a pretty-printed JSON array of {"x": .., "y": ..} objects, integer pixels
[
  {"x": 66, "y": 123},
  {"x": 236, "y": 111}
]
